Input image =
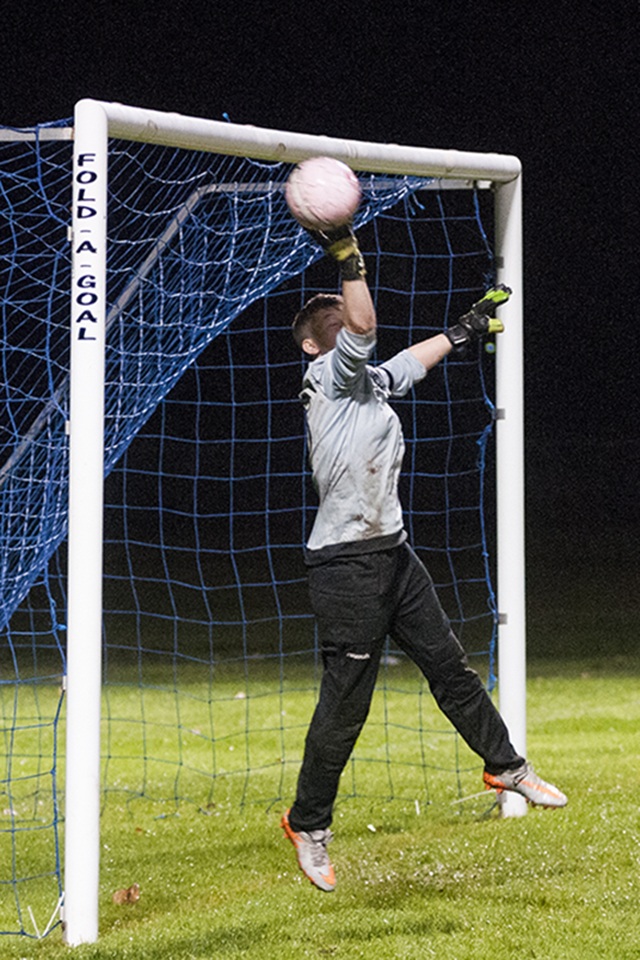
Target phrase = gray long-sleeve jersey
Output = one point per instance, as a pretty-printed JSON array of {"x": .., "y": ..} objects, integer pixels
[{"x": 356, "y": 444}]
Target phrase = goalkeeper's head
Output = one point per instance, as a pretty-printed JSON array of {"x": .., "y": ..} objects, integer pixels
[{"x": 316, "y": 326}]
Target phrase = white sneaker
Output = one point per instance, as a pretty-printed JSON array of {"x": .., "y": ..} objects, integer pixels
[
  {"x": 313, "y": 858},
  {"x": 524, "y": 780}
]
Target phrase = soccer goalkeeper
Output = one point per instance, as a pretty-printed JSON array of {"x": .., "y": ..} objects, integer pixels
[{"x": 365, "y": 580}]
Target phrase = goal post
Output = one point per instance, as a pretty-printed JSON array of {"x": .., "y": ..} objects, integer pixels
[
  {"x": 85, "y": 537},
  {"x": 510, "y": 482},
  {"x": 95, "y": 123}
]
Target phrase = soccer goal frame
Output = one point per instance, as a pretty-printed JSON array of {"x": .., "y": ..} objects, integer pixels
[{"x": 95, "y": 122}]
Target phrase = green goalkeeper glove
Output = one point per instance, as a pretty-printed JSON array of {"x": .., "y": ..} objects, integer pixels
[
  {"x": 341, "y": 244},
  {"x": 479, "y": 322}
]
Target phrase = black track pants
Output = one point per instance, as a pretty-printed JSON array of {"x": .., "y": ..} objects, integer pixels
[{"x": 357, "y": 601}]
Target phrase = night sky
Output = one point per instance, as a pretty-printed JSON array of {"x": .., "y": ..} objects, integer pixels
[{"x": 553, "y": 83}]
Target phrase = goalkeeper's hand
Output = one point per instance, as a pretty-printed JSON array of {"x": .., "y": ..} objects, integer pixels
[
  {"x": 479, "y": 322},
  {"x": 341, "y": 244}
]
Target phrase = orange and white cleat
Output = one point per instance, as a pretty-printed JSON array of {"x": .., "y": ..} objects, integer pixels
[
  {"x": 311, "y": 849},
  {"x": 525, "y": 781}
]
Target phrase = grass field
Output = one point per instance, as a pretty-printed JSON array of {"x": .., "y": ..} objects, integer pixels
[{"x": 443, "y": 879}]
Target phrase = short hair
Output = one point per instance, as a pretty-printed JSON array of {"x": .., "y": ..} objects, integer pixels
[{"x": 306, "y": 321}]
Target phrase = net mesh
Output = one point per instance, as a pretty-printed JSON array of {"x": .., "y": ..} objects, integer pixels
[{"x": 210, "y": 658}]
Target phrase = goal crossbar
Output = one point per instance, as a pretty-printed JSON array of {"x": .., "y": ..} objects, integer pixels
[{"x": 192, "y": 133}]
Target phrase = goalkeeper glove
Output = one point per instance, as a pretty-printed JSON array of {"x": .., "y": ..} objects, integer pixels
[
  {"x": 478, "y": 322},
  {"x": 341, "y": 244}
]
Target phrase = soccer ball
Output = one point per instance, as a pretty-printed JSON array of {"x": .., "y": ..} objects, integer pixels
[{"x": 322, "y": 193}]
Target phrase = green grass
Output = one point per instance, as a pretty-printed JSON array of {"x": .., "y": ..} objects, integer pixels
[{"x": 446, "y": 879}]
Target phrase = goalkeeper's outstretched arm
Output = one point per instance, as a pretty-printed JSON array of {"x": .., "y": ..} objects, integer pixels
[
  {"x": 431, "y": 351},
  {"x": 474, "y": 325}
]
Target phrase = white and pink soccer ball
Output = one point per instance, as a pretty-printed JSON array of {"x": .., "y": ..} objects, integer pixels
[{"x": 322, "y": 193}]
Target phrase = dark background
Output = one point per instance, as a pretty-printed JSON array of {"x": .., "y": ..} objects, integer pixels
[{"x": 553, "y": 83}]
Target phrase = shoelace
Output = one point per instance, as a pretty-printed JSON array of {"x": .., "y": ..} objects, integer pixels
[
  {"x": 319, "y": 849},
  {"x": 519, "y": 775}
]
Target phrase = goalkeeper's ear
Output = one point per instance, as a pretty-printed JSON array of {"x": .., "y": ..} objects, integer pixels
[{"x": 310, "y": 347}]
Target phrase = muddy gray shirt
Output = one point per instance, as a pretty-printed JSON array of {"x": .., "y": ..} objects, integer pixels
[{"x": 356, "y": 445}]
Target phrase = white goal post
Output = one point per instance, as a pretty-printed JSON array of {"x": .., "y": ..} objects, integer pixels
[{"x": 95, "y": 122}]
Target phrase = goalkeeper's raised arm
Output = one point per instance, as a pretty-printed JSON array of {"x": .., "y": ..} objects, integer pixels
[{"x": 341, "y": 244}]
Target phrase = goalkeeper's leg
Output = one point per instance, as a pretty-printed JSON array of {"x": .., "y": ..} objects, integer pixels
[
  {"x": 350, "y": 672},
  {"x": 423, "y": 631}
]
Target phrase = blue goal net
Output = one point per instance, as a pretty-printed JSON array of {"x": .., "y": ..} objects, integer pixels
[{"x": 210, "y": 657}]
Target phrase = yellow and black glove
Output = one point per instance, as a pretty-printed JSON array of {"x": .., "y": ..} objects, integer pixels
[
  {"x": 341, "y": 244},
  {"x": 479, "y": 321}
]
